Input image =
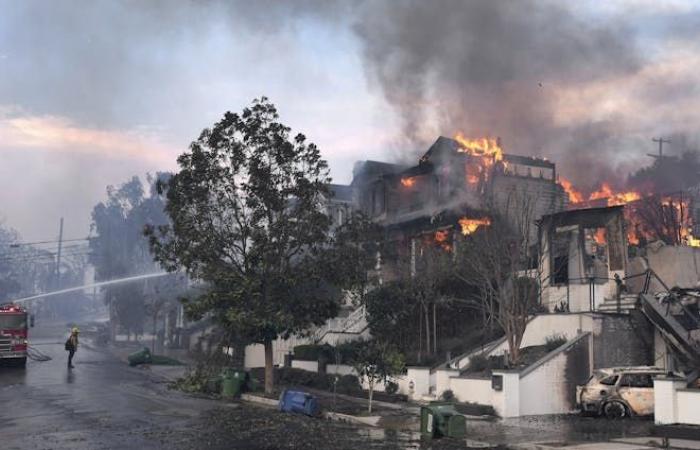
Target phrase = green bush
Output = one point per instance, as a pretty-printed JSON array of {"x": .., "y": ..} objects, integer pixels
[
  {"x": 391, "y": 387},
  {"x": 554, "y": 341},
  {"x": 479, "y": 363},
  {"x": 348, "y": 384},
  {"x": 298, "y": 377},
  {"x": 313, "y": 352},
  {"x": 475, "y": 409},
  {"x": 447, "y": 396}
]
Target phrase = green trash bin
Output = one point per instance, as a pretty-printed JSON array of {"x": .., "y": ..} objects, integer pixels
[
  {"x": 440, "y": 419},
  {"x": 143, "y": 356},
  {"x": 232, "y": 382}
]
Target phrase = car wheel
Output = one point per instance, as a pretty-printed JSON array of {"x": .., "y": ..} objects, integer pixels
[{"x": 615, "y": 410}]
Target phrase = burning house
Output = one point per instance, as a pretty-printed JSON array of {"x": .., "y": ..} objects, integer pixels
[{"x": 456, "y": 187}]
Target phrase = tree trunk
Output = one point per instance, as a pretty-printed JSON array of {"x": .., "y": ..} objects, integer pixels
[
  {"x": 428, "y": 348},
  {"x": 370, "y": 382},
  {"x": 435, "y": 328},
  {"x": 420, "y": 334},
  {"x": 269, "y": 368}
]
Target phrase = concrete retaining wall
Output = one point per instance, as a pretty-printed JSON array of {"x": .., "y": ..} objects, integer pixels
[
  {"x": 674, "y": 404},
  {"x": 311, "y": 366}
]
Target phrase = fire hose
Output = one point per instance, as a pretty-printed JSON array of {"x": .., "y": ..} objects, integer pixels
[{"x": 37, "y": 355}]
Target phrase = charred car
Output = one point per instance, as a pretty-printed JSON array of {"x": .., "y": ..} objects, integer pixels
[{"x": 619, "y": 392}]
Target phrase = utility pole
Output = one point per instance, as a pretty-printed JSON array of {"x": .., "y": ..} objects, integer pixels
[
  {"x": 58, "y": 254},
  {"x": 661, "y": 141}
]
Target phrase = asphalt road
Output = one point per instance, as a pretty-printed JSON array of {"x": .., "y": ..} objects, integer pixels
[{"x": 102, "y": 403}]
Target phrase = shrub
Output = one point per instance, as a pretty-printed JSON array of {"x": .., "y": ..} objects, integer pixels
[
  {"x": 554, "y": 341},
  {"x": 447, "y": 396},
  {"x": 391, "y": 387},
  {"x": 475, "y": 409},
  {"x": 298, "y": 377},
  {"x": 313, "y": 352},
  {"x": 348, "y": 384},
  {"x": 479, "y": 363}
]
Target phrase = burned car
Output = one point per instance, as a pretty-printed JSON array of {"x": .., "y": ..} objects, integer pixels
[{"x": 619, "y": 392}]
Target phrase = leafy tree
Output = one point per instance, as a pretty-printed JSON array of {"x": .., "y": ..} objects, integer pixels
[
  {"x": 119, "y": 248},
  {"x": 247, "y": 220},
  {"x": 350, "y": 260},
  {"x": 377, "y": 361}
]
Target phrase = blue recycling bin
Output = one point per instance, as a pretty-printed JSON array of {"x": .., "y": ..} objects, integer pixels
[{"x": 299, "y": 402}]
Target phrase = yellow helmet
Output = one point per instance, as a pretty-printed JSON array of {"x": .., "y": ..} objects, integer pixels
[{"x": 74, "y": 330}]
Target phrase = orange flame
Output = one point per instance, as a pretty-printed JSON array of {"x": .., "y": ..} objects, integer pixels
[
  {"x": 599, "y": 237},
  {"x": 605, "y": 192},
  {"x": 480, "y": 146},
  {"x": 574, "y": 195},
  {"x": 469, "y": 226},
  {"x": 408, "y": 181},
  {"x": 442, "y": 239},
  {"x": 614, "y": 198}
]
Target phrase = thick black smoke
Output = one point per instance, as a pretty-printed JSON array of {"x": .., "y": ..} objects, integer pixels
[{"x": 492, "y": 68}]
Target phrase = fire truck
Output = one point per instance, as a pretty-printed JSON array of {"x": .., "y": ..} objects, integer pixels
[{"x": 13, "y": 333}]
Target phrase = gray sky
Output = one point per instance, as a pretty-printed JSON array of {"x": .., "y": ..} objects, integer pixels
[{"x": 93, "y": 92}]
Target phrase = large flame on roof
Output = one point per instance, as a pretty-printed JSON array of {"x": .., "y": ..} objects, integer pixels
[
  {"x": 575, "y": 196},
  {"x": 480, "y": 146},
  {"x": 605, "y": 192},
  {"x": 469, "y": 226},
  {"x": 614, "y": 198}
]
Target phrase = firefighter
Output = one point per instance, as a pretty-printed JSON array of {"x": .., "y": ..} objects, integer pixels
[{"x": 72, "y": 345}]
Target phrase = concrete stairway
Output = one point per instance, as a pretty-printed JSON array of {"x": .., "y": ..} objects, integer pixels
[{"x": 628, "y": 302}]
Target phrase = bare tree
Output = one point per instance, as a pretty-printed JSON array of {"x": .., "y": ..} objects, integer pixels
[{"x": 500, "y": 261}]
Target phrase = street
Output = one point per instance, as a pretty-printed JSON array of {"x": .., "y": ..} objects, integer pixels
[
  {"x": 102, "y": 403},
  {"x": 105, "y": 404}
]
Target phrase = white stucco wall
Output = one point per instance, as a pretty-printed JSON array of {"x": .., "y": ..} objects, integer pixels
[
  {"x": 474, "y": 390},
  {"x": 539, "y": 329},
  {"x": 255, "y": 353},
  {"x": 442, "y": 380},
  {"x": 340, "y": 369},
  {"x": 421, "y": 380},
  {"x": 506, "y": 402},
  {"x": 311, "y": 366},
  {"x": 667, "y": 402},
  {"x": 677, "y": 266},
  {"x": 543, "y": 391},
  {"x": 688, "y": 404}
]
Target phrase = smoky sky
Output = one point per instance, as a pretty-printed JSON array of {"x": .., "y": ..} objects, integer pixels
[
  {"x": 94, "y": 92},
  {"x": 489, "y": 67}
]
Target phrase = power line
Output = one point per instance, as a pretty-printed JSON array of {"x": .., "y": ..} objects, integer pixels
[{"x": 18, "y": 244}]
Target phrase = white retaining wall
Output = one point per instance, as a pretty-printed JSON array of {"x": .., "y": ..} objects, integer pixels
[
  {"x": 542, "y": 389},
  {"x": 674, "y": 404},
  {"x": 475, "y": 390},
  {"x": 311, "y": 366},
  {"x": 539, "y": 329}
]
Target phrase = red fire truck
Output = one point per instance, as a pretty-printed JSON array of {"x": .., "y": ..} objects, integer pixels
[{"x": 13, "y": 333}]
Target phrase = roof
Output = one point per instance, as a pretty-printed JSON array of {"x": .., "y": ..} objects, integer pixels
[
  {"x": 369, "y": 167},
  {"x": 341, "y": 192},
  {"x": 529, "y": 161},
  {"x": 589, "y": 217}
]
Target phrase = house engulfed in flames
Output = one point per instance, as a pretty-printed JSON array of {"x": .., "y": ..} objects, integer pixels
[{"x": 455, "y": 187}]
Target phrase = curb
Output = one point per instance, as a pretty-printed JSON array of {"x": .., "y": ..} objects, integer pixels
[
  {"x": 259, "y": 400},
  {"x": 372, "y": 421}
]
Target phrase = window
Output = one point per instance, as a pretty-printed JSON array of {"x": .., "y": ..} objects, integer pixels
[
  {"x": 638, "y": 380},
  {"x": 609, "y": 381}
]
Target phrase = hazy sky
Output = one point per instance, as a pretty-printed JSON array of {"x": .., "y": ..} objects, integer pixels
[{"x": 93, "y": 92}]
